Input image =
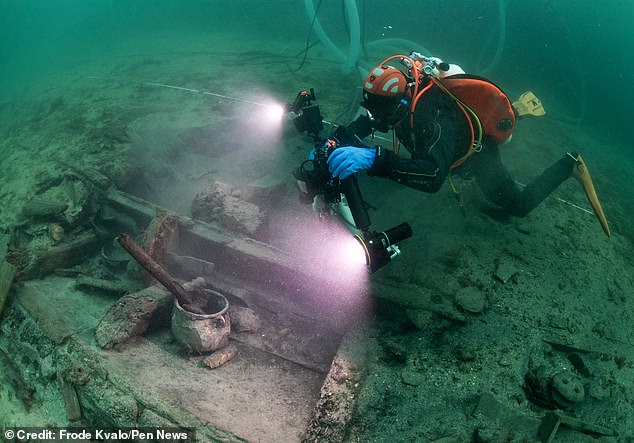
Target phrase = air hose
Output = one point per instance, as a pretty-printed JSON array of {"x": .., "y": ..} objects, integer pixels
[{"x": 350, "y": 60}]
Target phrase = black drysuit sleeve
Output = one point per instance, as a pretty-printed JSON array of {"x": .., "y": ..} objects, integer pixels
[
  {"x": 425, "y": 174},
  {"x": 355, "y": 132},
  {"x": 440, "y": 135}
]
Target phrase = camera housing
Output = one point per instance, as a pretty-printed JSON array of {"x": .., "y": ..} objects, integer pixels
[
  {"x": 307, "y": 114},
  {"x": 314, "y": 179}
]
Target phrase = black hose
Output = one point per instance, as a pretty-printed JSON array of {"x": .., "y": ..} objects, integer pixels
[{"x": 308, "y": 45}]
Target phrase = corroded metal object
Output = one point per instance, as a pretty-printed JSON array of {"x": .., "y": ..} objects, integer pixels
[{"x": 157, "y": 271}]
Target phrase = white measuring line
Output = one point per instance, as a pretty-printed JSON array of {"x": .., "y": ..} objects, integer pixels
[
  {"x": 200, "y": 91},
  {"x": 193, "y": 91},
  {"x": 574, "y": 205}
]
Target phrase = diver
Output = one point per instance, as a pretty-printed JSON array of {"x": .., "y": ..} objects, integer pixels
[{"x": 449, "y": 122}]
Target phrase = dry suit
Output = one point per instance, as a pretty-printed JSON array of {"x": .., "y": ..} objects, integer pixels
[{"x": 438, "y": 137}]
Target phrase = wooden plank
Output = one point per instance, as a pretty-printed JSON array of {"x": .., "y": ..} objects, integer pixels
[
  {"x": 333, "y": 411},
  {"x": 135, "y": 207},
  {"x": 58, "y": 309},
  {"x": 64, "y": 255},
  {"x": 237, "y": 255}
]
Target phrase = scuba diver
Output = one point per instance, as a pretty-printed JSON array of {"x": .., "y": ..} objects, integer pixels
[{"x": 448, "y": 122}]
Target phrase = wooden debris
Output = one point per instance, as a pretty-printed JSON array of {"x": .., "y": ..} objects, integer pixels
[
  {"x": 221, "y": 356},
  {"x": 189, "y": 267},
  {"x": 132, "y": 315},
  {"x": 548, "y": 427},
  {"x": 163, "y": 232},
  {"x": 71, "y": 402},
  {"x": 89, "y": 174},
  {"x": 418, "y": 298},
  {"x": 553, "y": 420},
  {"x": 235, "y": 255},
  {"x": 333, "y": 412},
  {"x": 43, "y": 208},
  {"x": 64, "y": 255},
  {"x": 100, "y": 285},
  {"x": 581, "y": 426},
  {"x": 12, "y": 374}
]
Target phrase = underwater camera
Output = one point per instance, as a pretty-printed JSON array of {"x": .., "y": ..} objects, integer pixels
[
  {"x": 341, "y": 197},
  {"x": 314, "y": 178},
  {"x": 307, "y": 115}
]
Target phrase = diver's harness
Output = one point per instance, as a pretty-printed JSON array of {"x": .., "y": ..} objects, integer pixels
[{"x": 486, "y": 107}]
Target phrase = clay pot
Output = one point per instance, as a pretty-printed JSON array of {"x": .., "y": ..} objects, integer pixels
[{"x": 203, "y": 333}]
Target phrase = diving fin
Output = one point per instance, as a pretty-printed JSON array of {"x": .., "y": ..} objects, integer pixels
[
  {"x": 581, "y": 173},
  {"x": 529, "y": 104}
]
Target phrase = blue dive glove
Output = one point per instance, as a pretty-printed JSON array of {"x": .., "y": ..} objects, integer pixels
[{"x": 345, "y": 161}]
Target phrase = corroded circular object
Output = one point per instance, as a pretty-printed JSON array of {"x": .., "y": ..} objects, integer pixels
[{"x": 567, "y": 388}]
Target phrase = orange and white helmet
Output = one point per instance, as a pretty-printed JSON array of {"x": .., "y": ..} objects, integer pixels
[
  {"x": 386, "y": 96},
  {"x": 385, "y": 81}
]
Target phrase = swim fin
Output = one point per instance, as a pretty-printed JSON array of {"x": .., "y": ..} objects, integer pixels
[
  {"x": 581, "y": 173},
  {"x": 529, "y": 104}
]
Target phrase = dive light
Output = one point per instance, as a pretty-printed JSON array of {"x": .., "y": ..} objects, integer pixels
[{"x": 381, "y": 247}]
